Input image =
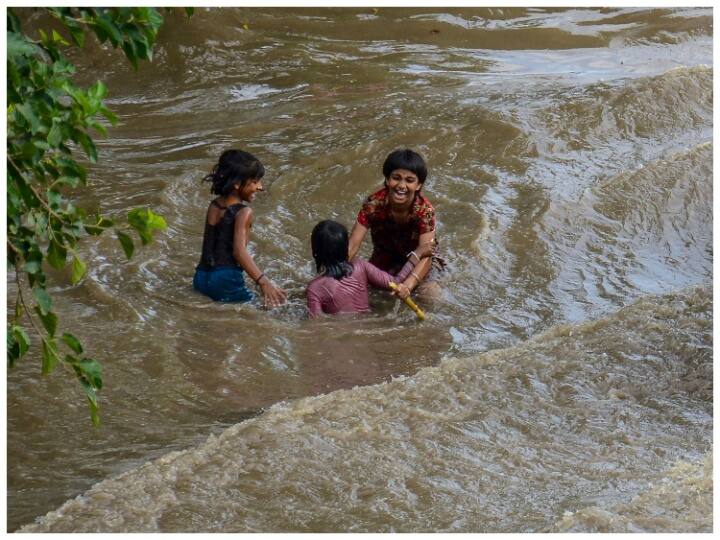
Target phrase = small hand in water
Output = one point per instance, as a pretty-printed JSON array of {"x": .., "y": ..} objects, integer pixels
[
  {"x": 273, "y": 296},
  {"x": 402, "y": 291}
]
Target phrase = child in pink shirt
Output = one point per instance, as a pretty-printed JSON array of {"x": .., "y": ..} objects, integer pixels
[{"x": 342, "y": 286}]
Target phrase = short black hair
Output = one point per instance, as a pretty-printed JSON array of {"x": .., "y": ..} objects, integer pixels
[
  {"x": 233, "y": 166},
  {"x": 405, "y": 159},
  {"x": 329, "y": 241}
]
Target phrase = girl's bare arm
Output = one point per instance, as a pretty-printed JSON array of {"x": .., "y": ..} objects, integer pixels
[
  {"x": 423, "y": 267},
  {"x": 356, "y": 238},
  {"x": 273, "y": 296},
  {"x": 243, "y": 223}
]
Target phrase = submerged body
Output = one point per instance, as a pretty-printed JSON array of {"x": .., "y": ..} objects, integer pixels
[
  {"x": 326, "y": 294},
  {"x": 225, "y": 259},
  {"x": 218, "y": 275},
  {"x": 391, "y": 239},
  {"x": 400, "y": 218}
]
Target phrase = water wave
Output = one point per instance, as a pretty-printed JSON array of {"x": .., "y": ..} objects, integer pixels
[
  {"x": 680, "y": 500},
  {"x": 449, "y": 448}
]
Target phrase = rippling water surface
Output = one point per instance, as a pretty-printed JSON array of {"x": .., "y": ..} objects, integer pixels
[{"x": 564, "y": 383}]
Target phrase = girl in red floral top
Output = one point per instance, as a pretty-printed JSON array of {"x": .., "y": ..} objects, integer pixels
[{"x": 399, "y": 217}]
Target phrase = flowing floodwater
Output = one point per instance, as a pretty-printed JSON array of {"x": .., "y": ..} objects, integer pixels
[{"x": 564, "y": 383}]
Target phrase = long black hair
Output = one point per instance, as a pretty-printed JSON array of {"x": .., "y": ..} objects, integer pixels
[
  {"x": 232, "y": 167},
  {"x": 329, "y": 241}
]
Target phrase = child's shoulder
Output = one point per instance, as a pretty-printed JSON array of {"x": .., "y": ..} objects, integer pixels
[
  {"x": 379, "y": 196},
  {"x": 317, "y": 279},
  {"x": 374, "y": 205},
  {"x": 422, "y": 205},
  {"x": 360, "y": 267},
  {"x": 320, "y": 282}
]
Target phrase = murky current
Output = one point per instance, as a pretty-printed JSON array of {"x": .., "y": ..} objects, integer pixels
[{"x": 564, "y": 382}]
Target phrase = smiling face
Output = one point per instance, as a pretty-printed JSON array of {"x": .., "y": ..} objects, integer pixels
[
  {"x": 248, "y": 190},
  {"x": 402, "y": 186}
]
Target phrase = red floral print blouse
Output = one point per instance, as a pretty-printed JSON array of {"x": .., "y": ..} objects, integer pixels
[{"x": 392, "y": 241}]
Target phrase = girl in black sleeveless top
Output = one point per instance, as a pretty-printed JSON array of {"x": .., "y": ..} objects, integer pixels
[{"x": 225, "y": 258}]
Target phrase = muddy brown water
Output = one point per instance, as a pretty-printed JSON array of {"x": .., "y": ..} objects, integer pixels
[{"x": 563, "y": 384}]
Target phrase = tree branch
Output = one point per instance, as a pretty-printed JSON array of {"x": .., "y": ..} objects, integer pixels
[
  {"x": 37, "y": 195},
  {"x": 22, "y": 301}
]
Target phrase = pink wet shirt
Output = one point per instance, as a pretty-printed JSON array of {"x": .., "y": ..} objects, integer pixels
[{"x": 350, "y": 294}]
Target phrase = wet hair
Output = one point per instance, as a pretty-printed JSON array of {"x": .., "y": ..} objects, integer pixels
[
  {"x": 408, "y": 160},
  {"x": 329, "y": 241},
  {"x": 232, "y": 167}
]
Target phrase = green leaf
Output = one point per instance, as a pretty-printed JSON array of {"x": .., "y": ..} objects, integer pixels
[
  {"x": 13, "y": 23},
  {"x": 97, "y": 90},
  {"x": 89, "y": 389},
  {"x": 22, "y": 339},
  {"x": 56, "y": 254},
  {"x": 98, "y": 127},
  {"x": 142, "y": 14},
  {"x": 78, "y": 270},
  {"x": 189, "y": 11},
  {"x": 33, "y": 264},
  {"x": 88, "y": 145},
  {"x": 13, "y": 349},
  {"x": 18, "y": 45},
  {"x": 72, "y": 342},
  {"x": 111, "y": 116},
  {"x": 42, "y": 145},
  {"x": 49, "y": 320},
  {"x": 76, "y": 31},
  {"x": 58, "y": 38},
  {"x": 110, "y": 29},
  {"x": 31, "y": 267},
  {"x": 70, "y": 167},
  {"x": 29, "y": 114},
  {"x": 144, "y": 234},
  {"x": 70, "y": 181},
  {"x": 93, "y": 404},
  {"x": 55, "y": 199},
  {"x": 126, "y": 243},
  {"x": 99, "y": 226},
  {"x": 63, "y": 67},
  {"x": 155, "y": 19},
  {"x": 78, "y": 96},
  {"x": 27, "y": 194},
  {"x": 54, "y": 137},
  {"x": 155, "y": 222},
  {"x": 145, "y": 221},
  {"x": 91, "y": 371},
  {"x": 43, "y": 299},
  {"x": 18, "y": 343},
  {"x": 31, "y": 153},
  {"x": 131, "y": 53},
  {"x": 50, "y": 356}
]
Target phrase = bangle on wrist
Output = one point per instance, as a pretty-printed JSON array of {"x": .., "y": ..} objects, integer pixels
[
  {"x": 417, "y": 278},
  {"x": 257, "y": 279},
  {"x": 412, "y": 253}
]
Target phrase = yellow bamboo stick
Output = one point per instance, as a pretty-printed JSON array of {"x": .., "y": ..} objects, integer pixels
[{"x": 419, "y": 312}]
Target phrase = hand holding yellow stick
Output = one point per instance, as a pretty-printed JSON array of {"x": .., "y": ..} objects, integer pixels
[{"x": 419, "y": 312}]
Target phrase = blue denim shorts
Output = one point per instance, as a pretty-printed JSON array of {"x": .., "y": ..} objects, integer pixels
[{"x": 223, "y": 284}]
